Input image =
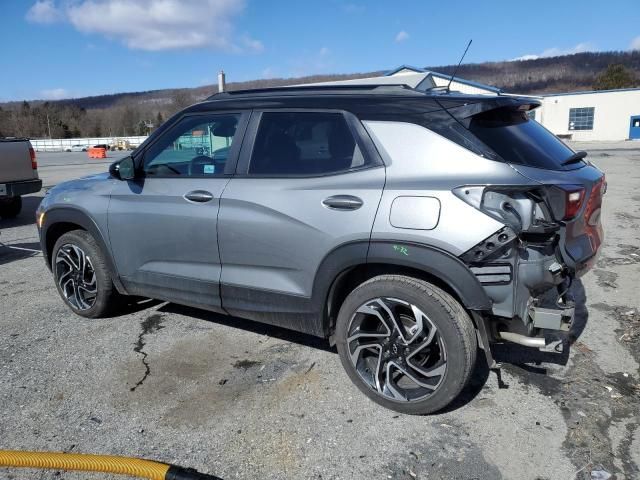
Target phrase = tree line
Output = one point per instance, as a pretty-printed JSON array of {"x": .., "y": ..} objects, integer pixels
[
  {"x": 568, "y": 73},
  {"x": 126, "y": 114},
  {"x": 139, "y": 113},
  {"x": 70, "y": 120}
]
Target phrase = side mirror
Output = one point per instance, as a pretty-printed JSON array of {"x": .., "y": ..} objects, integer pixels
[{"x": 123, "y": 169}]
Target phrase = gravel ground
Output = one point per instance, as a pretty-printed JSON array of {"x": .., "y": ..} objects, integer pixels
[{"x": 242, "y": 400}]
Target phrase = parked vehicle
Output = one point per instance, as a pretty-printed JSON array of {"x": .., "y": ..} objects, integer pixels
[
  {"x": 397, "y": 223},
  {"x": 18, "y": 174},
  {"x": 121, "y": 145},
  {"x": 77, "y": 148}
]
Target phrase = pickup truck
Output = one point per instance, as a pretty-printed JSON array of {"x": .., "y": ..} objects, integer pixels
[{"x": 18, "y": 174}]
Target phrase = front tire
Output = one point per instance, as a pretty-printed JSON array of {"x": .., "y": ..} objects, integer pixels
[
  {"x": 407, "y": 344},
  {"x": 81, "y": 275}
]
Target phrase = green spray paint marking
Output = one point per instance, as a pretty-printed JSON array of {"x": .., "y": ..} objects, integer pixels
[{"x": 401, "y": 249}]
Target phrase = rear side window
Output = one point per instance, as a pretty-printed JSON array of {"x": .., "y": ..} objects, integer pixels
[
  {"x": 304, "y": 143},
  {"x": 519, "y": 140}
]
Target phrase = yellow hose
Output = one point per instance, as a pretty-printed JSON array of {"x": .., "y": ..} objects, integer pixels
[{"x": 133, "y": 467}]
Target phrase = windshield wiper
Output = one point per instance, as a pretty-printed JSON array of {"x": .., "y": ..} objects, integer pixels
[{"x": 575, "y": 158}]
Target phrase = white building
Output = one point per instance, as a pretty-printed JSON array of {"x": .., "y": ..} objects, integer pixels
[
  {"x": 596, "y": 115},
  {"x": 583, "y": 116}
]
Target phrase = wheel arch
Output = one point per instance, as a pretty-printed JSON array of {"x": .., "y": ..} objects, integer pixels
[
  {"x": 350, "y": 267},
  {"x": 59, "y": 221}
]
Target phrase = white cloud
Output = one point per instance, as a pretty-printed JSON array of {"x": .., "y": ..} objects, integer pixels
[
  {"x": 252, "y": 45},
  {"x": 157, "y": 24},
  {"x": 54, "y": 94},
  {"x": 402, "y": 36},
  {"x": 530, "y": 56},
  {"x": 43, "y": 11},
  {"x": 635, "y": 44},
  {"x": 556, "y": 52}
]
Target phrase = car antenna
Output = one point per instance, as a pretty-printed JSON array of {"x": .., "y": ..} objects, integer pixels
[{"x": 458, "y": 66}]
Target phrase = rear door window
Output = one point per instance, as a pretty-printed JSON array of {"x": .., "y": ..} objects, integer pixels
[
  {"x": 304, "y": 143},
  {"x": 520, "y": 140}
]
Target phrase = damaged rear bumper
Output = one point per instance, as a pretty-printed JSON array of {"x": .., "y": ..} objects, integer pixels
[{"x": 527, "y": 282}]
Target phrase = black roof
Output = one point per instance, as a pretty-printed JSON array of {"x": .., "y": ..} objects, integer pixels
[
  {"x": 368, "y": 102},
  {"x": 365, "y": 101},
  {"x": 303, "y": 90}
]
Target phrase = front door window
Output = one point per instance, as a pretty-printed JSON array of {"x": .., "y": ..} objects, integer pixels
[{"x": 198, "y": 146}]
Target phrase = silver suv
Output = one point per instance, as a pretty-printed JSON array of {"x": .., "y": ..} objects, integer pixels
[{"x": 404, "y": 226}]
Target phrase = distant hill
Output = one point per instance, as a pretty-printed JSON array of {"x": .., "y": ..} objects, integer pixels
[
  {"x": 565, "y": 73},
  {"x": 543, "y": 75},
  {"x": 165, "y": 96},
  {"x": 568, "y": 73},
  {"x": 141, "y": 112}
]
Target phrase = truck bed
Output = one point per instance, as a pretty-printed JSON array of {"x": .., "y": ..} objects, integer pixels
[{"x": 15, "y": 161}]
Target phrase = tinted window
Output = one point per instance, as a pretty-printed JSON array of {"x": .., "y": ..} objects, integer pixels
[
  {"x": 196, "y": 146},
  {"x": 304, "y": 144},
  {"x": 519, "y": 140}
]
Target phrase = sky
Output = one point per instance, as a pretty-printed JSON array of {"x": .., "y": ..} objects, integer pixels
[{"x": 53, "y": 49}]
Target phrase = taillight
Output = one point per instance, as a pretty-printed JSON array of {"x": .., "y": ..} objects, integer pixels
[
  {"x": 593, "y": 227},
  {"x": 595, "y": 200},
  {"x": 573, "y": 202},
  {"x": 32, "y": 154}
]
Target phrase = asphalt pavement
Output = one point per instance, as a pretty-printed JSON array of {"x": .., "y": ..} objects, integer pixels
[
  {"x": 56, "y": 167},
  {"x": 247, "y": 401}
]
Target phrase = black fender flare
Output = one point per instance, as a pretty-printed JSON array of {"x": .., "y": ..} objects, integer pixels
[
  {"x": 431, "y": 260},
  {"x": 59, "y": 215},
  {"x": 437, "y": 262}
]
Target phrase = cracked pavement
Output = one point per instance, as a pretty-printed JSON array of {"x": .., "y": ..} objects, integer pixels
[{"x": 243, "y": 400}]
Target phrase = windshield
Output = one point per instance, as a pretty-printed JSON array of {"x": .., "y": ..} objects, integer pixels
[{"x": 519, "y": 140}]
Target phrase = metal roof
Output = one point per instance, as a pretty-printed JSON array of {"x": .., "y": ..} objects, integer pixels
[
  {"x": 587, "y": 92},
  {"x": 466, "y": 82},
  {"x": 428, "y": 73},
  {"x": 404, "y": 67},
  {"x": 409, "y": 79}
]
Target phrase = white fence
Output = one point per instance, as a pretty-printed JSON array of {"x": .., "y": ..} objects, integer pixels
[{"x": 62, "y": 144}]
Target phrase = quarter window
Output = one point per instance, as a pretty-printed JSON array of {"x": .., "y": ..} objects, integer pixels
[
  {"x": 197, "y": 146},
  {"x": 581, "y": 118},
  {"x": 304, "y": 143}
]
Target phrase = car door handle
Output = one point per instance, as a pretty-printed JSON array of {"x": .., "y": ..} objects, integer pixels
[
  {"x": 199, "y": 196},
  {"x": 342, "y": 202}
]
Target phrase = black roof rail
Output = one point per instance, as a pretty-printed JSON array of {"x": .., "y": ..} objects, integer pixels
[{"x": 301, "y": 89}]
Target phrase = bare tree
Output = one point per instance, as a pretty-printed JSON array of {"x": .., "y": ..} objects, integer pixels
[{"x": 180, "y": 99}]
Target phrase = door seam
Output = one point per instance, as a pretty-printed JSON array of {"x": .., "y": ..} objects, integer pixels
[{"x": 218, "y": 244}]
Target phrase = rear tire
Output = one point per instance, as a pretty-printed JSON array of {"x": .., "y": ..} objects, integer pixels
[
  {"x": 10, "y": 207},
  {"x": 82, "y": 277},
  {"x": 407, "y": 344}
]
